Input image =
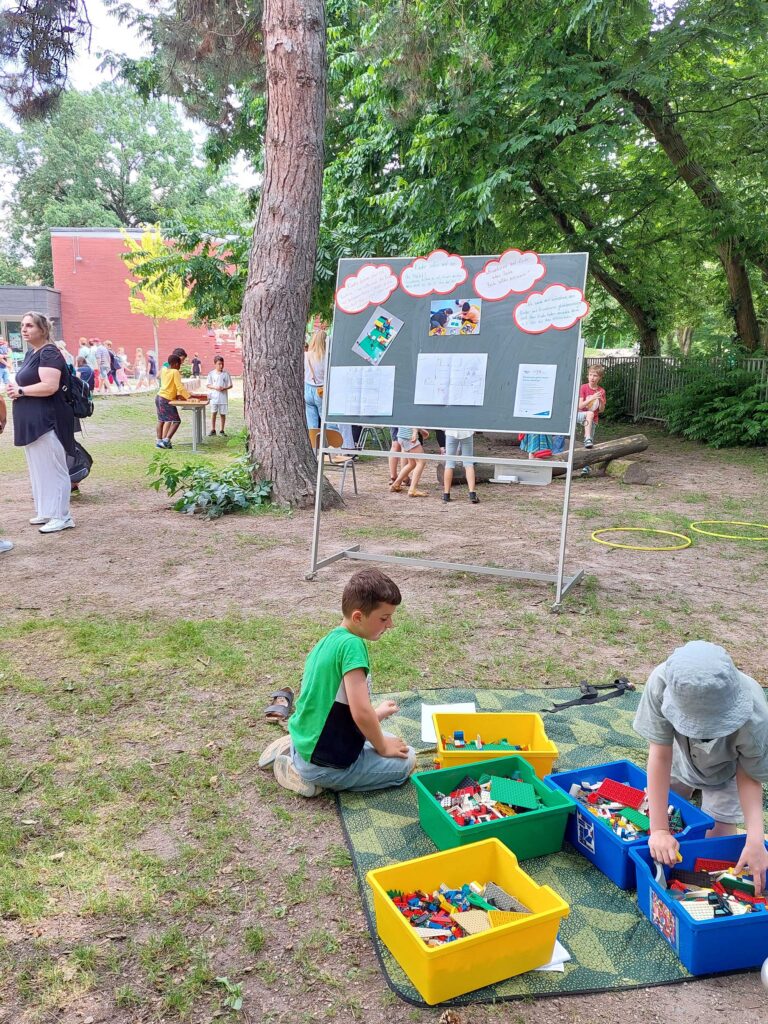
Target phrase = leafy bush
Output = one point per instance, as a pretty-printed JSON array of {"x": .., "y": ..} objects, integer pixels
[
  {"x": 723, "y": 409},
  {"x": 186, "y": 371},
  {"x": 212, "y": 492}
]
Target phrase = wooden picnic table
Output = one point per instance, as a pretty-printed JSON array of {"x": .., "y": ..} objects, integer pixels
[{"x": 198, "y": 407}]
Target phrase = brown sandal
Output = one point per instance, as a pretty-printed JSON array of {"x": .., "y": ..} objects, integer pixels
[
  {"x": 395, "y": 489},
  {"x": 418, "y": 494},
  {"x": 281, "y": 707}
]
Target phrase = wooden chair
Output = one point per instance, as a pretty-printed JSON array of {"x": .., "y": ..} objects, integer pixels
[{"x": 340, "y": 462}]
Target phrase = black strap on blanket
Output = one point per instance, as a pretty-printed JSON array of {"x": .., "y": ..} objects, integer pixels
[{"x": 590, "y": 694}]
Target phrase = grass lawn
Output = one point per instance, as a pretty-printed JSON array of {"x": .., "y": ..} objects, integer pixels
[{"x": 148, "y": 870}]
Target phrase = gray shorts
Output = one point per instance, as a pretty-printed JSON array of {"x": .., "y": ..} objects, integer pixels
[
  {"x": 459, "y": 446},
  {"x": 719, "y": 802}
]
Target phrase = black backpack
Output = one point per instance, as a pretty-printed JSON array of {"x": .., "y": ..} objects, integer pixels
[
  {"x": 79, "y": 464},
  {"x": 77, "y": 393}
]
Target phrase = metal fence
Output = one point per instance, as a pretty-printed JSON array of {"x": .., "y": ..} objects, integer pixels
[{"x": 638, "y": 383}]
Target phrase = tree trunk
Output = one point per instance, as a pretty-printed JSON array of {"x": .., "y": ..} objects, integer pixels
[
  {"x": 156, "y": 336},
  {"x": 662, "y": 125},
  {"x": 643, "y": 320},
  {"x": 280, "y": 272},
  {"x": 685, "y": 339}
]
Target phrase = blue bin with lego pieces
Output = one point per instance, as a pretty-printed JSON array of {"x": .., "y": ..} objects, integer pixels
[
  {"x": 704, "y": 947},
  {"x": 595, "y": 839}
]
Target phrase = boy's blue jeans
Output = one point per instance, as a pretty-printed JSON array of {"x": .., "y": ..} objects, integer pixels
[{"x": 370, "y": 771}]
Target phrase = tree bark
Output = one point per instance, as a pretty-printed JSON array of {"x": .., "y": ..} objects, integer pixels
[
  {"x": 641, "y": 317},
  {"x": 661, "y": 123},
  {"x": 281, "y": 267},
  {"x": 685, "y": 339}
]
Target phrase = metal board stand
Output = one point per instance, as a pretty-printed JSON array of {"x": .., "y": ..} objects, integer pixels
[{"x": 563, "y": 583}]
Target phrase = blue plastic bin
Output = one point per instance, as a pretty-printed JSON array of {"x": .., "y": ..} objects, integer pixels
[
  {"x": 704, "y": 947},
  {"x": 596, "y": 841}
]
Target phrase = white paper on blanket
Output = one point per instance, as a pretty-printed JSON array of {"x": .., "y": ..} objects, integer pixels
[
  {"x": 361, "y": 391},
  {"x": 450, "y": 378},
  {"x": 560, "y": 957},
  {"x": 427, "y": 710}
]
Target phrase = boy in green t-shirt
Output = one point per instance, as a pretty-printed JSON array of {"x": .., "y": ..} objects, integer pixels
[{"x": 336, "y": 737}]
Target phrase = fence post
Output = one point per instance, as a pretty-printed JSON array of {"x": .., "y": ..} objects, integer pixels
[{"x": 636, "y": 389}]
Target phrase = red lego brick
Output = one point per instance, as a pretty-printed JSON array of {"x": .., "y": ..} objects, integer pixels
[
  {"x": 703, "y": 864},
  {"x": 619, "y": 793}
]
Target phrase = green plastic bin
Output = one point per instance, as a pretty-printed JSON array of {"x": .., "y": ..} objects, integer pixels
[{"x": 533, "y": 834}]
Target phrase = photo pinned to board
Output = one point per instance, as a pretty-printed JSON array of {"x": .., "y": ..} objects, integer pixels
[
  {"x": 377, "y": 335},
  {"x": 455, "y": 316}
]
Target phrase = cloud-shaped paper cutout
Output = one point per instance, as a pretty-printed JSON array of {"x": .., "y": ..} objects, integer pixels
[
  {"x": 439, "y": 273},
  {"x": 370, "y": 286},
  {"x": 557, "y": 306},
  {"x": 513, "y": 271}
]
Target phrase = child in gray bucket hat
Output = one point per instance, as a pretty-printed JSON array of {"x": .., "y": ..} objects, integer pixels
[{"x": 707, "y": 726}]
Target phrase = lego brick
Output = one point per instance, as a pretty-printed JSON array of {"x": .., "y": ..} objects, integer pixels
[
  {"x": 732, "y": 883},
  {"x": 495, "y": 894},
  {"x": 642, "y": 821},
  {"x": 698, "y": 878},
  {"x": 627, "y": 795},
  {"x": 698, "y": 910},
  {"x": 500, "y": 917},
  {"x": 516, "y": 794},
  {"x": 472, "y": 921},
  {"x": 705, "y": 864}
]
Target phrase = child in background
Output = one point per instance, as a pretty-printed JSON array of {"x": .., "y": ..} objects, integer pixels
[
  {"x": 591, "y": 402},
  {"x": 197, "y": 365},
  {"x": 410, "y": 439},
  {"x": 171, "y": 388},
  {"x": 459, "y": 442},
  {"x": 5, "y": 362},
  {"x": 707, "y": 726},
  {"x": 85, "y": 373},
  {"x": 219, "y": 383},
  {"x": 140, "y": 369},
  {"x": 336, "y": 738}
]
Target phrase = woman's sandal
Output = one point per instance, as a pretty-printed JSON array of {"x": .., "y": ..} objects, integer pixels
[
  {"x": 418, "y": 494},
  {"x": 281, "y": 707},
  {"x": 395, "y": 489}
]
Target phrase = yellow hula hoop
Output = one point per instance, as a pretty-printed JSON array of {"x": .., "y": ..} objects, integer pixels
[
  {"x": 728, "y": 522},
  {"x": 639, "y": 547}
]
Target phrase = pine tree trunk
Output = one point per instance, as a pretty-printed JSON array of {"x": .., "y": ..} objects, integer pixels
[{"x": 277, "y": 294}]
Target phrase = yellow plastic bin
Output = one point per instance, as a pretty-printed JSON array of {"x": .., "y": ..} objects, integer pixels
[
  {"x": 443, "y": 972},
  {"x": 524, "y": 728}
]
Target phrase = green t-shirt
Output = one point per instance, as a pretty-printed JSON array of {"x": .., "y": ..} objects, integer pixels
[{"x": 322, "y": 728}]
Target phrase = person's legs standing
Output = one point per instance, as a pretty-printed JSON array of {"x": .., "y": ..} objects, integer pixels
[
  {"x": 47, "y": 462},
  {"x": 311, "y": 406},
  {"x": 451, "y": 448},
  {"x": 467, "y": 448},
  {"x": 394, "y": 464},
  {"x": 214, "y": 414},
  {"x": 416, "y": 471}
]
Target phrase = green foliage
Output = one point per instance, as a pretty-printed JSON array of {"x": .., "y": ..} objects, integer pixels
[
  {"x": 105, "y": 158},
  {"x": 234, "y": 993},
  {"x": 724, "y": 409},
  {"x": 11, "y": 270},
  {"x": 212, "y": 492}
]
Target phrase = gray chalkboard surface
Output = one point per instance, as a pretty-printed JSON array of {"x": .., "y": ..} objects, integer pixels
[{"x": 402, "y": 334}]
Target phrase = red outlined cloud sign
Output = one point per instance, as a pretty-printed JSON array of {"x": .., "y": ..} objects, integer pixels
[
  {"x": 370, "y": 286},
  {"x": 557, "y": 306},
  {"x": 439, "y": 273},
  {"x": 513, "y": 271}
]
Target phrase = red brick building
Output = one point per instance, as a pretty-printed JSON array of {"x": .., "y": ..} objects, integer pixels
[{"x": 91, "y": 279}]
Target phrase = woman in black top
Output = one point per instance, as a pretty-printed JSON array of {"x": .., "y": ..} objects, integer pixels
[{"x": 44, "y": 424}]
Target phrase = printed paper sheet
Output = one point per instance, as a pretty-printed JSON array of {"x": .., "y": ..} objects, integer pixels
[
  {"x": 361, "y": 391},
  {"x": 535, "y": 389},
  {"x": 450, "y": 378}
]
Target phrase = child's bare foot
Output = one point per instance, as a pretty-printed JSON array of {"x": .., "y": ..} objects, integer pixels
[
  {"x": 417, "y": 494},
  {"x": 395, "y": 488}
]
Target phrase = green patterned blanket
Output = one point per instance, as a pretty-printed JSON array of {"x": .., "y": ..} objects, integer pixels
[{"x": 612, "y": 945}]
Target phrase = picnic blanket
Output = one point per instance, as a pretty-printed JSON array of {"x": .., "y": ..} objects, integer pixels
[{"x": 612, "y": 945}]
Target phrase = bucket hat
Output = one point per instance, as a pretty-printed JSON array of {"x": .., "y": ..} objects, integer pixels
[{"x": 705, "y": 695}]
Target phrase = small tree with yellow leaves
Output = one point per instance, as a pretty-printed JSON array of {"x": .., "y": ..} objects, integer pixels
[{"x": 153, "y": 293}]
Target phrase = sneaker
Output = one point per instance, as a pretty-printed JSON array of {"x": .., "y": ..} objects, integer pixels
[
  {"x": 289, "y": 778},
  {"x": 5, "y": 545},
  {"x": 588, "y": 442},
  {"x": 446, "y": 497},
  {"x": 39, "y": 520},
  {"x": 57, "y": 525},
  {"x": 159, "y": 444},
  {"x": 222, "y": 434},
  {"x": 474, "y": 498},
  {"x": 167, "y": 444},
  {"x": 211, "y": 433},
  {"x": 282, "y": 745}
]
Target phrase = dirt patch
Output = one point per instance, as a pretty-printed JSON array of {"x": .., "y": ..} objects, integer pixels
[{"x": 134, "y": 558}]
